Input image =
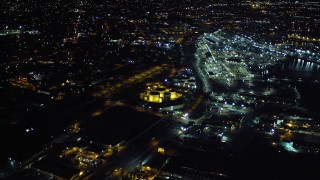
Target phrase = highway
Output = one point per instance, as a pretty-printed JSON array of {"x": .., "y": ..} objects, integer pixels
[{"x": 139, "y": 149}]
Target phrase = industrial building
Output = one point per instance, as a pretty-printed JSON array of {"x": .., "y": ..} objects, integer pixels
[{"x": 157, "y": 93}]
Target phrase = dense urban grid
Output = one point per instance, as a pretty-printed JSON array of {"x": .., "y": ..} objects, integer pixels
[{"x": 159, "y": 89}]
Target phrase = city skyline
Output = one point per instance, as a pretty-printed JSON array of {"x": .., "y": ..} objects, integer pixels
[{"x": 159, "y": 89}]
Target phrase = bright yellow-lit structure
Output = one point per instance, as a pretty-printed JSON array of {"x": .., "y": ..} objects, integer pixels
[
  {"x": 157, "y": 93},
  {"x": 153, "y": 97},
  {"x": 161, "y": 150}
]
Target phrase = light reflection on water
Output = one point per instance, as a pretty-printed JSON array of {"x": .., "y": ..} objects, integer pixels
[
  {"x": 299, "y": 73},
  {"x": 291, "y": 69},
  {"x": 303, "y": 65}
]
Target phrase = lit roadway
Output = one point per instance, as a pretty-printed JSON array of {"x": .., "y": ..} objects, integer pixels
[
  {"x": 130, "y": 81},
  {"x": 109, "y": 104},
  {"x": 142, "y": 147},
  {"x": 139, "y": 149},
  {"x": 204, "y": 78}
]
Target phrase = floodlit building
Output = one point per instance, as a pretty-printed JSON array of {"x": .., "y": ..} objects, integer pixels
[
  {"x": 159, "y": 94},
  {"x": 164, "y": 98}
]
